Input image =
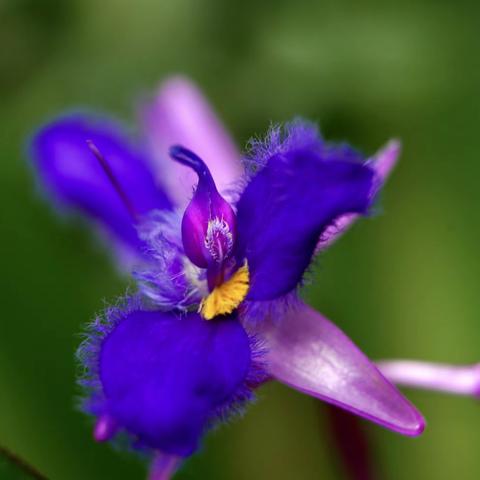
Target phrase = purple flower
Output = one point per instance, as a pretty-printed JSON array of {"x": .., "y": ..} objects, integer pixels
[{"x": 217, "y": 311}]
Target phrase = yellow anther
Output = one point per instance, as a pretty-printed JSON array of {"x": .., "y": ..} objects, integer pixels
[{"x": 225, "y": 298}]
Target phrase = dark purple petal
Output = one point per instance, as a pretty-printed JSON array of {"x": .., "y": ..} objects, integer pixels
[
  {"x": 165, "y": 375},
  {"x": 383, "y": 163},
  {"x": 309, "y": 353},
  {"x": 179, "y": 114},
  {"x": 288, "y": 204},
  {"x": 74, "y": 177}
]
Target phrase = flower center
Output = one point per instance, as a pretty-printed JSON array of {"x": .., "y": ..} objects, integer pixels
[
  {"x": 208, "y": 237},
  {"x": 227, "y": 296}
]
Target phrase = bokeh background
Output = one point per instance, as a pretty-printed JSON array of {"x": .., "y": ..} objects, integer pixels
[{"x": 402, "y": 284}]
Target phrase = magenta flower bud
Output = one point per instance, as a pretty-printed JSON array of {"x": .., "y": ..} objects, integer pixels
[{"x": 208, "y": 224}]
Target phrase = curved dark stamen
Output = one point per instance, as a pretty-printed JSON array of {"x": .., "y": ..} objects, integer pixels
[
  {"x": 189, "y": 159},
  {"x": 113, "y": 180}
]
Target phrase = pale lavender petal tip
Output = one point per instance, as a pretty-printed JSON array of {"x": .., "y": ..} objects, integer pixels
[
  {"x": 455, "y": 379},
  {"x": 383, "y": 162},
  {"x": 309, "y": 353},
  {"x": 105, "y": 428},
  {"x": 164, "y": 466},
  {"x": 386, "y": 159},
  {"x": 179, "y": 114}
]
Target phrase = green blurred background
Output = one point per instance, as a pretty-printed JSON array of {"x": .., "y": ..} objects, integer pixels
[{"x": 403, "y": 284}]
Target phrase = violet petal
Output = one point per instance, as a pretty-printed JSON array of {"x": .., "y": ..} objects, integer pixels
[
  {"x": 179, "y": 114},
  {"x": 288, "y": 204},
  {"x": 165, "y": 375},
  {"x": 383, "y": 163},
  {"x": 309, "y": 353},
  {"x": 75, "y": 179}
]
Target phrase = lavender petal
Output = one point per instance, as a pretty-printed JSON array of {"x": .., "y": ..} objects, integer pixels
[
  {"x": 179, "y": 114},
  {"x": 164, "y": 466},
  {"x": 309, "y": 353}
]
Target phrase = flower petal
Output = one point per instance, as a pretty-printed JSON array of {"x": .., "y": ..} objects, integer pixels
[
  {"x": 179, "y": 114},
  {"x": 383, "y": 163},
  {"x": 309, "y": 353},
  {"x": 163, "y": 467},
  {"x": 288, "y": 204},
  {"x": 74, "y": 177},
  {"x": 164, "y": 375}
]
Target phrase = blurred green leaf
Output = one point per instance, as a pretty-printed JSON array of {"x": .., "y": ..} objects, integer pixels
[{"x": 404, "y": 283}]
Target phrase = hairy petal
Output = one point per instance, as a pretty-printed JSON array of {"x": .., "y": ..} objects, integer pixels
[
  {"x": 179, "y": 114},
  {"x": 168, "y": 278},
  {"x": 164, "y": 376},
  {"x": 383, "y": 163},
  {"x": 287, "y": 205},
  {"x": 309, "y": 353},
  {"x": 76, "y": 180}
]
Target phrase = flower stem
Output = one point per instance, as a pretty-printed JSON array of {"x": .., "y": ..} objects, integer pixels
[
  {"x": 352, "y": 444},
  {"x": 22, "y": 464}
]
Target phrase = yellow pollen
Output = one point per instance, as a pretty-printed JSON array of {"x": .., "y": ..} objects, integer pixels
[{"x": 226, "y": 297}]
